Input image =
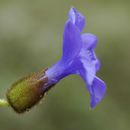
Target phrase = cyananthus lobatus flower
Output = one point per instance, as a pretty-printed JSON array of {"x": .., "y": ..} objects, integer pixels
[{"x": 78, "y": 58}]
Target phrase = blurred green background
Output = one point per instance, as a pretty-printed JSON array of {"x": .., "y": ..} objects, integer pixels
[{"x": 31, "y": 39}]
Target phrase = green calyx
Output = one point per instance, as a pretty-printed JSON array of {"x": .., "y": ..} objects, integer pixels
[{"x": 27, "y": 92}]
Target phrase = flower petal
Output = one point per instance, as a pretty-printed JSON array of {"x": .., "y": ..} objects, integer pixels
[
  {"x": 98, "y": 91},
  {"x": 89, "y": 40},
  {"x": 71, "y": 42},
  {"x": 89, "y": 43},
  {"x": 88, "y": 67},
  {"x": 95, "y": 86},
  {"x": 77, "y": 19}
]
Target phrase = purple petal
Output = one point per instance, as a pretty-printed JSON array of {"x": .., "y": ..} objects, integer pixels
[
  {"x": 95, "y": 86},
  {"x": 89, "y": 43},
  {"x": 71, "y": 42},
  {"x": 97, "y": 64},
  {"x": 98, "y": 91},
  {"x": 89, "y": 40},
  {"x": 87, "y": 67},
  {"x": 77, "y": 19},
  {"x": 94, "y": 59}
]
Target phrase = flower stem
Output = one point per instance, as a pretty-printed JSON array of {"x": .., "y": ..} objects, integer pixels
[{"x": 3, "y": 103}]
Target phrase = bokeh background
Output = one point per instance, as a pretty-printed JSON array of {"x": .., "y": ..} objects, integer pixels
[{"x": 31, "y": 39}]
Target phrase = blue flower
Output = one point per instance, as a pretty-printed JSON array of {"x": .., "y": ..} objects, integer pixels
[{"x": 78, "y": 58}]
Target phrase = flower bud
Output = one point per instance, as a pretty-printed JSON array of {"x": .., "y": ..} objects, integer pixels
[{"x": 27, "y": 92}]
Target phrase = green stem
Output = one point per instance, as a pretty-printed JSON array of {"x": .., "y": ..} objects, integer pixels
[{"x": 3, "y": 103}]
